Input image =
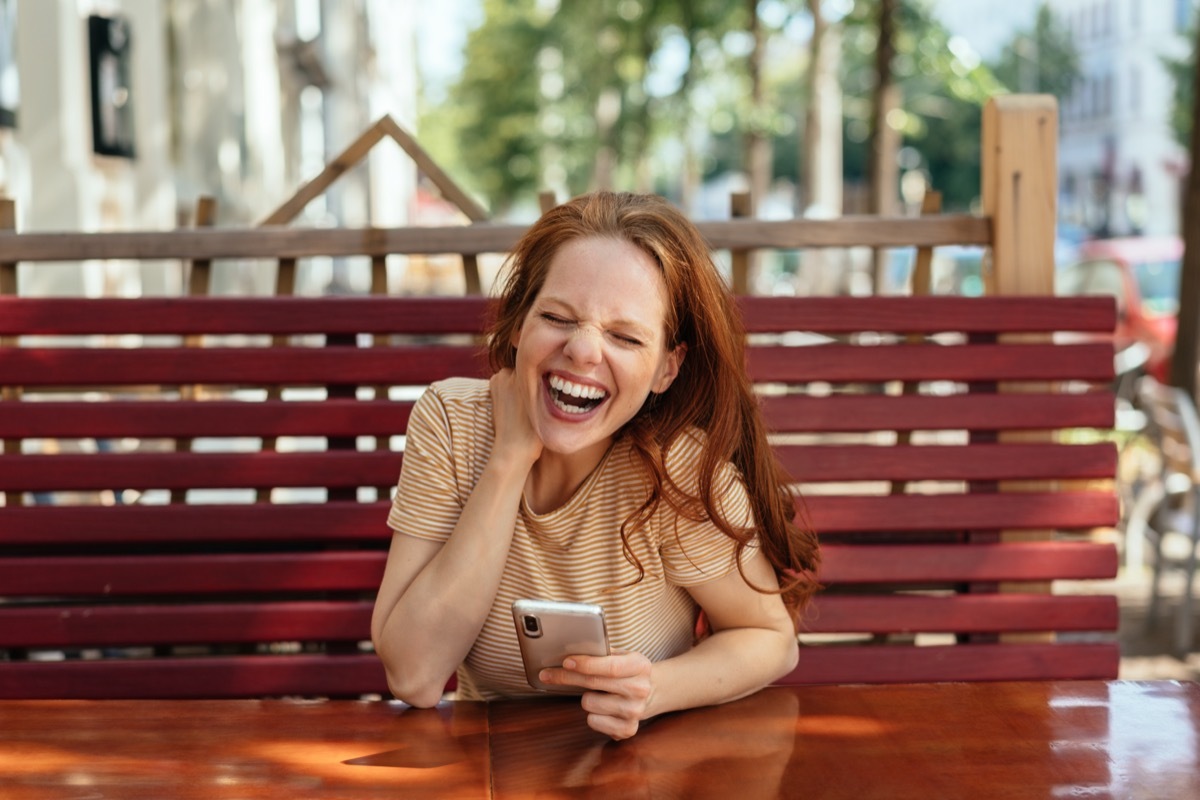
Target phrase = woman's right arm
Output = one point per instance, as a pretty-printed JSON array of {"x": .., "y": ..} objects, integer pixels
[{"x": 435, "y": 597}]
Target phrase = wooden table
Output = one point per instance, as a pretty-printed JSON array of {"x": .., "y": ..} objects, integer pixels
[{"x": 933, "y": 741}]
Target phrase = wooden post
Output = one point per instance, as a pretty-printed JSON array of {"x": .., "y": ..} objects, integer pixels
[
  {"x": 1019, "y": 183},
  {"x": 8, "y": 286},
  {"x": 200, "y": 274},
  {"x": 8, "y": 269},
  {"x": 199, "y": 284},
  {"x": 1020, "y": 195},
  {"x": 741, "y": 204},
  {"x": 922, "y": 274}
]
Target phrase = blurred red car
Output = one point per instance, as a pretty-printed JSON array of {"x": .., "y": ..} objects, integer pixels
[{"x": 1143, "y": 274}]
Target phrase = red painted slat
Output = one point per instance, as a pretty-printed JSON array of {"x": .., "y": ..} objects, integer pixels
[
  {"x": 125, "y": 626},
  {"x": 443, "y": 315},
  {"x": 207, "y": 623},
  {"x": 214, "y": 572},
  {"x": 989, "y": 562},
  {"x": 334, "y": 417},
  {"x": 344, "y": 468},
  {"x": 249, "y": 315},
  {"x": 976, "y": 362},
  {"x": 204, "y": 677},
  {"x": 963, "y": 662},
  {"x": 167, "y": 418},
  {"x": 982, "y": 613},
  {"x": 417, "y": 365},
  {"x": 250, "y": 366},
  {"x": 929, "y": 314},
  {"x": 340, "y": 520},
  {"x": 258, "y": 573},
  {"x": 284, "y": 522},
  {"x": 44, "y": 473},
  {"x": 951, "y": 462},
  {"x": 950, "y": 512},
  {"x": 977, "y": 412}
]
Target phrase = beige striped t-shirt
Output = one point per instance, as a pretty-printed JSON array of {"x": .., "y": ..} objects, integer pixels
[{"x": 572, "y": 553}]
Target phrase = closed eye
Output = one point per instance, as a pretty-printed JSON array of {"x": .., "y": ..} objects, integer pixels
[
  {"x": 554, "y": 319},
  {"x": 629, "y": 340}
]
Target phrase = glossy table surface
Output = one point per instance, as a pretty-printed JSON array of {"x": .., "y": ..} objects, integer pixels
[{"x": 986, "y": 740}]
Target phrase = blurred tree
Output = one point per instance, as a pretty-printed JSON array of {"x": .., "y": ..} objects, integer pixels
[
  {"x": 942, "y": 86},
  {"x": 1181, "y": 71},
  {"x": 497, "y": 122},
  {"x": 1186, "y": 358},
  {"x": 656, "y": 94},
  {"x": 576, "y": 97},
  {"x": 1040, "y": 60}
]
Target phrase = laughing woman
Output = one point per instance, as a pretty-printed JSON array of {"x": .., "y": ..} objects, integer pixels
[{"x": 618, "y": 457}]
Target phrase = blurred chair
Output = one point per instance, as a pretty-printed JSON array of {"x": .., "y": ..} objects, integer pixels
[
  {"x": 1168, "y": 506},
  {"x": 1133, "y": 470}
]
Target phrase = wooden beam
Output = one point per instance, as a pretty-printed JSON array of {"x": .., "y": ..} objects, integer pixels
[
  {"x": 277, "y": 242},
  {"x": 341, "y": 164},
  {"x": 425, "y": 163}
]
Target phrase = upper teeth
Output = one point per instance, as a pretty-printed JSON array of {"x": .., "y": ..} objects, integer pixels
[{"x": 575, "y": 389}]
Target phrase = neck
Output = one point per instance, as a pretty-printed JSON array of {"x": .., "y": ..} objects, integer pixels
[{"x": 555, "y": 477}]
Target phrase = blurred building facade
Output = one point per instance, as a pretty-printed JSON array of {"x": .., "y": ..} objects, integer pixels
[
  {"x": 1121, "y": 170},
  {"x": 240, "y": 100}
]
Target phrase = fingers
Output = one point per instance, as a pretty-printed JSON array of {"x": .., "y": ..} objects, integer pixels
[
  {"x": 617, "y": 688},
  {"x": 513, "y": 426}
]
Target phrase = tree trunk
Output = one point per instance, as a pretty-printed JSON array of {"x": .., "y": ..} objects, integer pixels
[
  {"x": 821, "y": 148},
  {"x": 884, "y": 139},
  {"x": 758, "y": 146},
  {"x": 1187, "y": 339}
]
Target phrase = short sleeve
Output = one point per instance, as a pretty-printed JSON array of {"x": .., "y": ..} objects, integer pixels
[
  {"x": 427, "y": 503},
  {"x": 696, "y": 551}
]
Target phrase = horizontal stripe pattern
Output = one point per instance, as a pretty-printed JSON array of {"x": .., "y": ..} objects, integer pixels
[{"x": 571, "y": 553}]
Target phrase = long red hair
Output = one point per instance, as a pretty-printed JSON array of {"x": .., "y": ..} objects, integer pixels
[{"x": 712, "y": 392}]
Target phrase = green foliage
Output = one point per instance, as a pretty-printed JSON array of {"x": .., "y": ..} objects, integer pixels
[
  {"x": 1183, "y": 72},
  {"x": 943, "y": 89},
  {"x": 1042, "y": 60},
  {"x": 551, "y": 93},
  {"x": 548, "y": 91}
]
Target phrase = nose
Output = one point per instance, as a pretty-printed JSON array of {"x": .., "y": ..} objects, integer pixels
[{"x": 584, "y": 345}]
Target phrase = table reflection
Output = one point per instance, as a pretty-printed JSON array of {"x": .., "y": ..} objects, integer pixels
[{"x": 738, "y": 750}]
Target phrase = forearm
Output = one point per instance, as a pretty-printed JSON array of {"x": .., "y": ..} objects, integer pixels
[
  {"x": 727, "y": 665},
  {"x": 433, "y": 622}
]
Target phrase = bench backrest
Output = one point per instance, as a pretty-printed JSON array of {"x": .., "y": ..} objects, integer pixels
[{"x": 196, "y": 488}]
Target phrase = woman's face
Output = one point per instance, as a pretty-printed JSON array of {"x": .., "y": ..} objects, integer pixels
[{"x": 593, "y": 345}]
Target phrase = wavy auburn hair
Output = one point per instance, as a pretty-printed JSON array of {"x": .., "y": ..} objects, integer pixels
[{"x": 712, "y": 392}]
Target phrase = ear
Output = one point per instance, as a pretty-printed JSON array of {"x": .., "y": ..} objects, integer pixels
[{"x": 670, "y": 368}]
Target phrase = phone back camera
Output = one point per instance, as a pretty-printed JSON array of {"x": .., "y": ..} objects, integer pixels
[{"x": 533, "y": 627}]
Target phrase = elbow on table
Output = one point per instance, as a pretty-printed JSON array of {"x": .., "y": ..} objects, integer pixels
[
  {"x": 419, "y": 691},
  {"x": 787, "y": 657},
  {"x": 791, "y": 655},
  {"x": 421, "y": 695}
]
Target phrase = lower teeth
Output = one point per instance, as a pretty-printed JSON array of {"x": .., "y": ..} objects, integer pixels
[{"x": 573, "y": 409}]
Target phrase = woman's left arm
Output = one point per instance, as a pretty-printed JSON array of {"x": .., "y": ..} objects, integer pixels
[{"x": 753, "y": 643}]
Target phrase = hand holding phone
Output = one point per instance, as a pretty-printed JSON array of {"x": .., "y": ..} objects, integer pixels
[{"x": 549, "y": 631}]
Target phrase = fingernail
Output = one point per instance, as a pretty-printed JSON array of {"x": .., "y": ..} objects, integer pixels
[
  {"x": 569, "y": 664},
  {"x": 544, "y": 675}
]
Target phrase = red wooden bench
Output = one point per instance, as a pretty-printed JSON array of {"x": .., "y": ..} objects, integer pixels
[{"x": 149, "y": 548}]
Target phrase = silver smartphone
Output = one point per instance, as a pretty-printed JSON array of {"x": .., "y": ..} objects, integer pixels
[{"x": 549, "y": 631}]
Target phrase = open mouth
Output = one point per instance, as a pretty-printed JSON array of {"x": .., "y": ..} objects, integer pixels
[{"x": 574, "y": 398}]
